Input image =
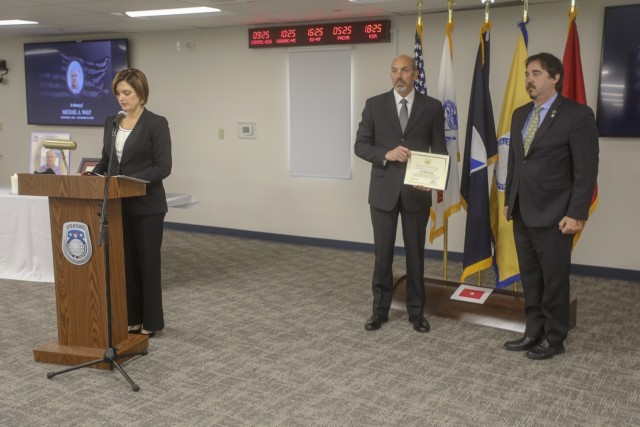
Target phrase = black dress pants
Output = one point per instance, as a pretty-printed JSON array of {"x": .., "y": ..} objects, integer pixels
[
  {"x": 414, "y": 230},
  {"x": 142, "y": 244},
  {"x": 544, "y": 257}
]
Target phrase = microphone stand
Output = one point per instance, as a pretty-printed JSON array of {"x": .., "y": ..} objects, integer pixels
[{"x": 111, "y": 355}]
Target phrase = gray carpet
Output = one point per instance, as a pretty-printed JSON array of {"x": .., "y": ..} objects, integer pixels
[{"x": 269, "y": 334}]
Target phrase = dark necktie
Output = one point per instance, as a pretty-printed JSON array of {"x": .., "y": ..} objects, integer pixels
[{"x": 404, "y": 114}]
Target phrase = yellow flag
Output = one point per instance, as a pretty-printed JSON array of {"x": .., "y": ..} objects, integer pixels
[{"x": 515, "y": 96}]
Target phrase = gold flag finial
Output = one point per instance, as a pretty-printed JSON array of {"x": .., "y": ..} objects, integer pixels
[
  {"x": 486, "y": 9},
  {"x": 573, "y": 13},
  {"x": 420, "y": 12},
  {"x": 525, "y": 12},
  {"x": 450, "y": 3}
]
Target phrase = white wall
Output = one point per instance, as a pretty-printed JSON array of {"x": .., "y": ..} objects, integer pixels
[{"x": 245, "y": 184}]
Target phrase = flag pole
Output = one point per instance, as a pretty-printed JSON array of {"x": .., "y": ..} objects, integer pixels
[
  {"x": 525, "y": 20},
  {"x": 486, "y": 25},
  {"x": 445, "y": 247}
]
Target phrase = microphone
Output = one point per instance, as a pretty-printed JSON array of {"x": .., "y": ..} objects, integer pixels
[{"x": 121, "y": 115}]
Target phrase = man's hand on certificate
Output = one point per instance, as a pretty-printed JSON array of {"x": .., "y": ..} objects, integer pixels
[
  {"x": 398, "y": 154},
  {"x": 421, "y": 188},
  {"x": 427, "y": 171}
]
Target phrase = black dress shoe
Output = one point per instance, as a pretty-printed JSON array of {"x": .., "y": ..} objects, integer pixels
[
  {"x": 375, "y": 321},
  {"x": 420, "y": 323},
  {"x": 545, "y": 350},
  {"x": 522, "y": 344}
]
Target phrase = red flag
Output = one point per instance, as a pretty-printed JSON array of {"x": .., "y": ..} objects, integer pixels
[{"x": 573, "y": 86}]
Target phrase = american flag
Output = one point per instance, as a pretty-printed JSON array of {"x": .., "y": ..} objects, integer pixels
[{"x": 420, "y": 83}]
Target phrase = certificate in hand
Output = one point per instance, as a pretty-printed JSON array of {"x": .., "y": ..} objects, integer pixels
[{"x": 427, "y": 170}]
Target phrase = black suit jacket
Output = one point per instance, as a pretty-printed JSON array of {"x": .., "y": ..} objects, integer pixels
[
  {"x": 146, "y": 155},
  {"x": 558, "y": 175},
  {"x": 379, "y": 131}
]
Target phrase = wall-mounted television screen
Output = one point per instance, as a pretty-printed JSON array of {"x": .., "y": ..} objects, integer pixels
[
  {"x": 619, "y": 93},
  {"x": 69, "y": 83}
]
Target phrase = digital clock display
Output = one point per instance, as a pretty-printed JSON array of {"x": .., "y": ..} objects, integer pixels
[{"x": 321, "y": 34}]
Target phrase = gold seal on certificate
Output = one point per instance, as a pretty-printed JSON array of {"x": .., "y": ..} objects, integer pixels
[{"x": 427, "y": 170}]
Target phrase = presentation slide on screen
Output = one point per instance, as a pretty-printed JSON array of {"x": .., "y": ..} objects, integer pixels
[{"x": 70, "y": 83}]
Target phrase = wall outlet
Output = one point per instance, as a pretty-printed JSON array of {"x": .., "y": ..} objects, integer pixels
[{"x": 246, "y": 130}]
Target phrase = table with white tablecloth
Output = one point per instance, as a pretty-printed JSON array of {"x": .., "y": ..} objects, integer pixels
[
  {"x": 25, "y": 238},
  {"x": 25, "y": 235}
]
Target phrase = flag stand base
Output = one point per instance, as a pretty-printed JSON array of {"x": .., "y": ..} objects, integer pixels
[{"x": 504, "y": 309}]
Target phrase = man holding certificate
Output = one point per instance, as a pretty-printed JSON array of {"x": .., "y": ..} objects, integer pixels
[{"x": 393, "y": 125}]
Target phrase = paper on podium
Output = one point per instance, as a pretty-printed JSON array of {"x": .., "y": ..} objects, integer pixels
[{"x": 130, "y": 178}]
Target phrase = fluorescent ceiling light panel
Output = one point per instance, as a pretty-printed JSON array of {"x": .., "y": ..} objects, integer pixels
[
  {"x": 168, "y": 12},
  {"x": 371, "y": 1},
  {"x": 16, "y": 22}
]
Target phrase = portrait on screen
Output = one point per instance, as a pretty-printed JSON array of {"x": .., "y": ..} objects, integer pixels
[{"x": 75, "y": 77}]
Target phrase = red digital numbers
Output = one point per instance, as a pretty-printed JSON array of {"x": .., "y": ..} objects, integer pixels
[
  {"x": 342, "y": 30},
  {"x": 315, "y": 32},
  {"x": 373, "y": 28},
  {"x": 261, "y": 35},
  {"x": 288, "y": 33}
]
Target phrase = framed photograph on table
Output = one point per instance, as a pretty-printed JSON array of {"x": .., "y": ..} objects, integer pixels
[
  {"x": 44, "y": 160},
  {"x": 87, "y": 164}
]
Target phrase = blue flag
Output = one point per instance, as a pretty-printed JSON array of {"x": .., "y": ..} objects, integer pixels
[{"x": 481, "y": 149}]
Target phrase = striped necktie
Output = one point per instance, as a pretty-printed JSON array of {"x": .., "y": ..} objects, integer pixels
[{"x": 531, "y": 129}]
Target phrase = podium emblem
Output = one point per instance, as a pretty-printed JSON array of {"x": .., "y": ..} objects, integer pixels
[{"x": 76, "y": 242}]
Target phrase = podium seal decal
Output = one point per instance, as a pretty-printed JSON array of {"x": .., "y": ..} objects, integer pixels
[{"x": 76, "y": 242}]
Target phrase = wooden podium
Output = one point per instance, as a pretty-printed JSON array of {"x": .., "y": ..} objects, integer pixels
[{"x": 81, "y": 289}]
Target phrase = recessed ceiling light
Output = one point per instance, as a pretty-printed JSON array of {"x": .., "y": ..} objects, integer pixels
[
  {"x": 16, "y": 22},
  {"x": 167, "y": 12}
]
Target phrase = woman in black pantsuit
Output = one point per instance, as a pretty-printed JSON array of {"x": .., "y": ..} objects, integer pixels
[{"x": 142, "y": 150}]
